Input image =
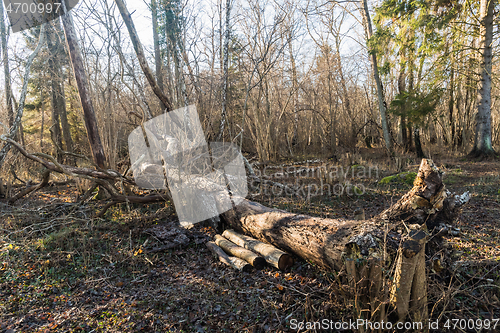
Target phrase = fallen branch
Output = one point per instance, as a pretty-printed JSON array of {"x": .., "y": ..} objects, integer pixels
[
  {"x": 29, "y": 189},
  {"x": 103, "y": 178},
  {"x": 59, "y": 168}
]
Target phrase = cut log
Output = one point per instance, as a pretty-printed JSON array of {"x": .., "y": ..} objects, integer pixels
[
  {"x": 234, "y": 262},
  {"x": 277, "y": 258},
  {"x": 240, "y": 252}
]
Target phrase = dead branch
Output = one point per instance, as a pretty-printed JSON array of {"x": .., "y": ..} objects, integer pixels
[
  {"x": 29, "y": 189},
  {"x": 104, "y": 178}
]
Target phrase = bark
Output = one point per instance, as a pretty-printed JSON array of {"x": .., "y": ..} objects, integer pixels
[
  {"x": 240, "y": 252},
  {"x": 451, "y": 106},
  {"x": 24, "y": 90},
  {"x": 402, "y": 124},
  {"x": 141, "y": 55},
  {"x": 83, "y": 90},
  {"x": 482, "y": 143},
  {"x": 380, "y": 90},
  {"x": 234, "y": 262},
  {"x": 418, "y": 143}
]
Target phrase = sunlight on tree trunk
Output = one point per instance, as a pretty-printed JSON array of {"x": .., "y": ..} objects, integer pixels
[{"x": 482, "y": 143}]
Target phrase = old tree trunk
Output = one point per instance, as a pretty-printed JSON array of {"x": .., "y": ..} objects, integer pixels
[{"x": 396, "y": 237}]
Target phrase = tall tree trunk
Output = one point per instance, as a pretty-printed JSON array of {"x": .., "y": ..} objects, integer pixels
[
  {"x": 83, "y": 89},
  {"x": 295, "y": 92},
  {"x": 56, "y": 49},
  {"x": 20, "y": 109},
  {"x": 482, "y": 143},
  {"x": 380, "y": 90},
  {"x": 5, "y": 53},
  {"x": 402, "y": 124},
  {"x": 225, "y": 70},
  {"x": 42, "y": 111},
  {"x": 451, "y": 106},
  {"x": 55, "y": 128},
  {"x": 156, "y": 41},
  {"x": 56, "y": 91},
  {"x": 141, "y": 56}
]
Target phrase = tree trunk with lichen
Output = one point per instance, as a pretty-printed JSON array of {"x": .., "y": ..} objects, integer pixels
[{"x": 397, "y": 235}]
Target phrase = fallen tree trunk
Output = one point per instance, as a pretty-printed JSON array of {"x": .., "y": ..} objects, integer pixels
[
  {"x": 325, "y": 241},
  {"x": 363, "y": 247}
]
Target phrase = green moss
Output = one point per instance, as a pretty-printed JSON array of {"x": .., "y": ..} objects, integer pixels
[
  {"x": 410, "y": 178},
  {"x": 403, "y": 177},
  {"x": 387, "y": 180}
]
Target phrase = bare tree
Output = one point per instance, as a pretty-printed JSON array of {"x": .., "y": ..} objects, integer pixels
[
  {"x": 141, "y": 56},
  {"x": 225, "y": 70}
]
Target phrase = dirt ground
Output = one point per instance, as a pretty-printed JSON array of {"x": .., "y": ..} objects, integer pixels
[{"x": 61, "y": 270}]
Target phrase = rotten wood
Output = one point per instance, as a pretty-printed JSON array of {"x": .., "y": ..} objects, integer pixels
[
  {"x": 229, "y": 247},
  {"x": 324, "y": 241}
]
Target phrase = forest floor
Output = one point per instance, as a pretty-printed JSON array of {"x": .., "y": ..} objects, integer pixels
[{"x": 63, "y": 271}]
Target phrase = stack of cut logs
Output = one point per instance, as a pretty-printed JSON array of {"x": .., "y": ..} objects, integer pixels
[{"x": 242, "y": 252}]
